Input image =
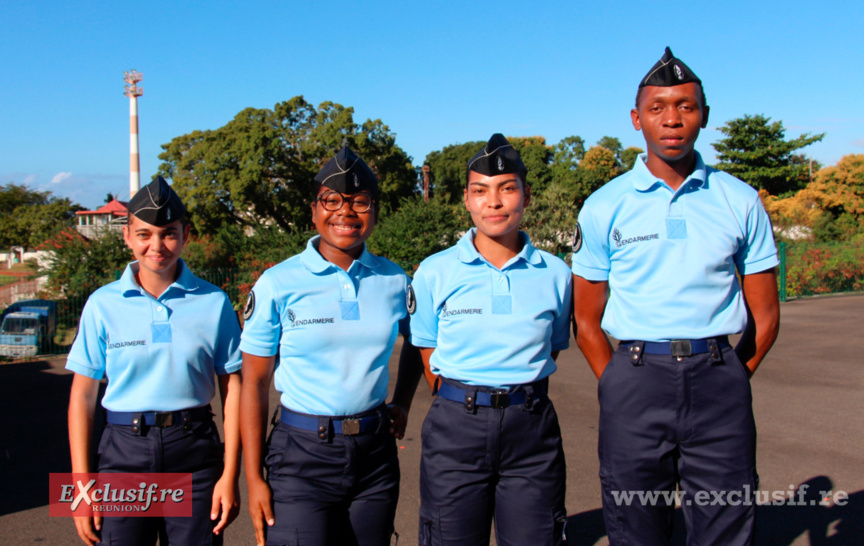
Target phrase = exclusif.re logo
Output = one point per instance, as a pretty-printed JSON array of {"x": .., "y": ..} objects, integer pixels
[{"x": 124, "y": 494}]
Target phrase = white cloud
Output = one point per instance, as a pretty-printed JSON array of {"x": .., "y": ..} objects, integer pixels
[
  {"x": 60, "y": 177},
  {"x": 30, "y": 179},
  {"x": 859, "y": 143}
]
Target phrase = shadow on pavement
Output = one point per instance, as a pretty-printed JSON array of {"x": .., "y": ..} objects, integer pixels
[
  {"x": 33, "y": 436},
  {"x": 776, "y": 525}
]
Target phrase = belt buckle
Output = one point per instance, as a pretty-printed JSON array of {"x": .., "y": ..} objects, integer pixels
[
  {"x": 499, "y": 400},
  {"x": 350, "y": 427},
  {"x": 163, "y": 419},
  {"x": 680, "y": 347}
]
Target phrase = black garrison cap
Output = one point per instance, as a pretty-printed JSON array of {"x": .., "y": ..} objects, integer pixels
[
  {"x": 347, "y": 173},
  {"x": 498, "y": 157},
  {"x": 669, "y": 71},
  {"x": 157, "y": 204}
]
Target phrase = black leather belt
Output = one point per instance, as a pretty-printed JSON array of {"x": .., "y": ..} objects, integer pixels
[
  {"x": 348, "y": 426},
  {"x": 495, "y": 399},
  {"x": 158, "y": 418}
]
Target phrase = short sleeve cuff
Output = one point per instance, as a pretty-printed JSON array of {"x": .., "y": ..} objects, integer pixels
[
  {"x": 422, "y": 342},
  {"x": 84, "y": 370},
  {"x": 560, "y": 346},
  {"x": 759, "y": 265},
  {"x": 256, "y": 349},
  {"x": 590, "y": 273}
]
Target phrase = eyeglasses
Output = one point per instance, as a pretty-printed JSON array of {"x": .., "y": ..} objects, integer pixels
[{"x": 334, "y": 200}]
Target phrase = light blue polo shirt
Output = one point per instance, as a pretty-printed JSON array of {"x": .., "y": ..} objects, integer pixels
[
  {"x": 670, "y": 256},
  {"x": 159, "y": 354},
  {"x": 334, "y": 330},
  {"x": 490, "y": 326}
]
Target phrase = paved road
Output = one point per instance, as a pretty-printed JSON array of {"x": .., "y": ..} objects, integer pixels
[{"x": 808, "y": 397}]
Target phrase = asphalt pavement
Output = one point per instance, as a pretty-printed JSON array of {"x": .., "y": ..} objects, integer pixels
[{"x": 808, "y": 398}]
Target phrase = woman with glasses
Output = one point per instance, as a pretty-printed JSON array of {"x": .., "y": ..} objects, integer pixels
[{"x": 323, "y": 324}]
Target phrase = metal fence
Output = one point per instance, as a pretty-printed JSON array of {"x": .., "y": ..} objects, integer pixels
[{"x": 805, "y": 269}]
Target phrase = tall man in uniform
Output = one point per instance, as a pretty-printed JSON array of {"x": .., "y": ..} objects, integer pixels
[{"x": 665, "y": 240}]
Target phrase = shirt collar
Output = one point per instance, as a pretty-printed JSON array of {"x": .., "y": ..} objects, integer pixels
[
  {"x": 645, "y": 180},
  {"x": 186, "y": 281},
  {"x": 316, "y": 263},
  {"x": 468, "y": 252}
]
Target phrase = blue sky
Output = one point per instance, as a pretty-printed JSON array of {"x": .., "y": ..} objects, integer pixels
[{"x": 437, "y": 73}]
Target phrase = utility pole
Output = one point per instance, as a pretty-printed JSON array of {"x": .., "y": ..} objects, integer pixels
[{"x": 132, "y": 91}]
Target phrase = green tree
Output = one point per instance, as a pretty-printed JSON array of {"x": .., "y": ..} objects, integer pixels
[
  {"x": 31, "y": 217},
  {"x": 537, "y": 157},
  {"x": 259, "y": 168},
  {"x": 598, "y": 167},
  {"x": 755, "y": 150},
  {"x": 448, "y": 165},
  {"x": 629, "y": 156},
  {"x": 80, "y": 266},
  {"x": 566, "y": 156},
  {"x": 549, "y": 219},
  {"x": 417, "y": 230},
  {"x": 447, "y": 170},
  {"x": 612, "y": 144}
]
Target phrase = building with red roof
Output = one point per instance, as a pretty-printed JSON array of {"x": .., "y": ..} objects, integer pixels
[{"x": 111, "y": 216}]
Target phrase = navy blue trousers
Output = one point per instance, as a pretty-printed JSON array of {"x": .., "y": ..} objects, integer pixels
[
  {"x": 484, "y": 464},
  {"x": 688, "y": 424},
  {"x": 169, "y": 449},
  {"x": 339, "y": 491}
]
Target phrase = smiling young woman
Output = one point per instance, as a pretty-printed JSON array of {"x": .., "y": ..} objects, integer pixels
[
  {"x": 164, "y": 339},
  {"x": 331, "y": 314}
]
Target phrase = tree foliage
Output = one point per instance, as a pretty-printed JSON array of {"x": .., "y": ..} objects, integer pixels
[
  {"x": 537, "y": 156},
  {"x": 448, "y": 165},
  {"x": 840, "y": 189},
  {"x": 447, "y": 170},
  {"x": 417, "y": 230},
  {"x": 628, "y": 157},
  {"x": 258, "y": 169},
  {"x": 566, "y": 156},
  {"x": 31, "y": 217},
  {"x": 80, "y": 266},
  {"x": 613, "y": 145},
  {"x": 755, "y": 150},
  {"x": 599, "y": 166},
  {"x": 839, "y": 192},
  {"x": 549, "y": 219}
]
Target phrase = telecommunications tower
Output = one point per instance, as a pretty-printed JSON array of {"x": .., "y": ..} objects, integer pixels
[{"x": 132, "y": 91}]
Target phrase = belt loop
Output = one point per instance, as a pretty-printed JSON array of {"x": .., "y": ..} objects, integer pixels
[
  {"x": 471, "y": 400},
  {"x": 137, "y": 423},
  {"x": 714, "y": 351},
  {"x": 325, "y": 429},
  {"x": 529, "y": 397},
  {"x": 383, "y": 419},
  {"x": 637, "y": 352}
]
